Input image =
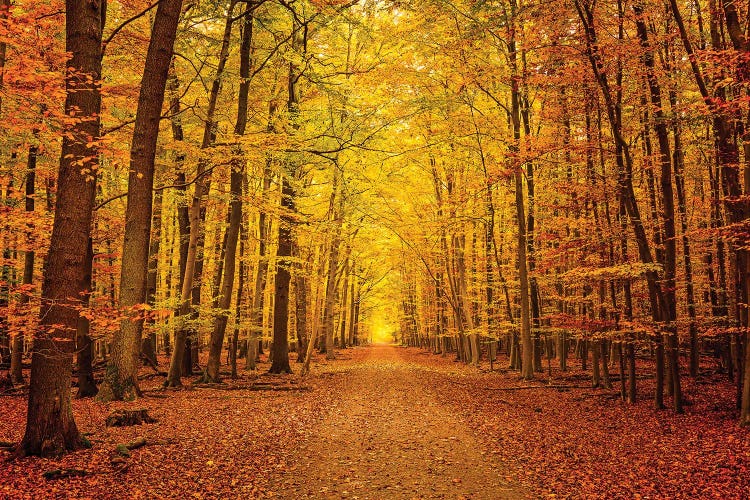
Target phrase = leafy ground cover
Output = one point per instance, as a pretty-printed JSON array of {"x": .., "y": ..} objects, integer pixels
[{"x": 390, "y": 422}]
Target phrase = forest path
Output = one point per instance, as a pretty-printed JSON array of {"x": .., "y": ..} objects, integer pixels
[{"x": 386, "y": 435}]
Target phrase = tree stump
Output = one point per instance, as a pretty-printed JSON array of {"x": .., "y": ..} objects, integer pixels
[
  {"x": 124, "y": 418},
  {"x": 6, "y": 383}
]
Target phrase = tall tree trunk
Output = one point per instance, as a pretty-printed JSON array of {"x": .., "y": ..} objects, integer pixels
[
  {"x": 148, "y": 345},
  {"x": 530, "y": 228},
  {"x": 84, "y": 345},
  {"x": 358, "y": 303},
  {"x": 489, "y": 241},
  {"x": 669, "y": 298},
  {"x": 335, "y": 216},
  {"x": 678, "y": 165},
  {"x": 50, "y": 427},
  {"x": 344, "y": 299},
  {"x": 280, "y": 346},
  {"x": 352, "y": 303},
  {"x": 527, "y": 345},
  {"x": 238, "y": 301},
  {"x": 183, "y": 210},
  {"x": 6, "y": 277},
  {"x": 441, "y": 297},
  {"x": 121, "y": 377},
  {"x": 230, "y": 258},
  {"x": 190, "y": 287},
  {"x": 464, "y": 318},
  {"x": 16, "y": 371},
  {"x": 301, "y": 284},
  {"x": 256, "y": 313},
  {"x": 239, "y": 130}
]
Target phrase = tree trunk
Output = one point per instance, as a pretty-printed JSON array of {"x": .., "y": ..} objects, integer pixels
[
  {"x": 255, "y": 333},
  {"x": 350, "y": 307},
  {"x": 148, "y": 345},
  {"x": 527, "y": 347},
  {"x": 190, "y": 287},
  {"x": 344, "y": 300},
  {"x": 280, "y": 346},
  {"x": 16, "y": 371},
  {"x": 333, "y": 259},
  {"x": 183, "y": 210},
  {"x": 50, "y": 427},
  {"x": 239, "y": 130},
  {"x": 233, "y": 348},
  {"x": 84, "y": 346},
  {"x": 256, "y": 313},
  {"x": 669, "y": 298},
  {"x": 300, "y": 296},
  {"x": 121, "y": 377},
  {"x": 230, "y": 259},
  {"x": 530, "y": 227}
]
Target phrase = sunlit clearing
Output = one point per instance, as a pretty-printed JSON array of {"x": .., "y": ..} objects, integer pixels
[{"x": 381, "y": 327}]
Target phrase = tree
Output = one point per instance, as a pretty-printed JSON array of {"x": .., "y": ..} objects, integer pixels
[
  {"x": 50, "y": 426},
  {"x": 16, "y": 371},
  {"x": 191, "y": 282},
  {"x": 280, "y": 346},
  {"x": 121, "y": 381}
]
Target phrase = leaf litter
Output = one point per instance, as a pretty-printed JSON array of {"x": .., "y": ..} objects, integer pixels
[{"x": 389, "y": 422}]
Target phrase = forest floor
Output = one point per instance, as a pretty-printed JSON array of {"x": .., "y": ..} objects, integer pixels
[
  {"x": 389, "y": 435},
  {"x": 390, "y": 422}
]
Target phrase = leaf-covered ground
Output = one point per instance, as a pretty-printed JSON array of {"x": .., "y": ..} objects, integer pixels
[
  {"x": 387, "y": 435},
  {"x": 390, "y": 422}
]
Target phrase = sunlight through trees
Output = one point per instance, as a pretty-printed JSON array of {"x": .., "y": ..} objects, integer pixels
[{"x": 198, "y": 189}]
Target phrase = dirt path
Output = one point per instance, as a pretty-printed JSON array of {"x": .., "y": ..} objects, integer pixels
[{"x": 387, "y": 436}]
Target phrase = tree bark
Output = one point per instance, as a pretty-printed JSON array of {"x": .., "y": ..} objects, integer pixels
[
  {"x": 239, "y": 130},
  {"x": 230, "y": 259},
  {"x": 183, "y": 210},
  {"x": 256, "y": 313},
  {"x": 16, "y": 371},
  {"x": 148, "y": 345},
  {"x": 530, "y": 228},
  {"x": 527, "y": 346},
  {"x": 190, "y": 287},
  {"x": 669, "y": 297},
  {"x": 121, "y": 377},
  {"x": 50, "y": 426},
  {"x": 333, "y": 258},
  {"x": 344, "y": 299},
  {"x": 84, "y": 345},
  {"x": 280, "y": 346}
]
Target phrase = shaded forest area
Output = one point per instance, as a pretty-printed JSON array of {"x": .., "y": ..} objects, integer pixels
[{"x": 189, "y": 188}]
